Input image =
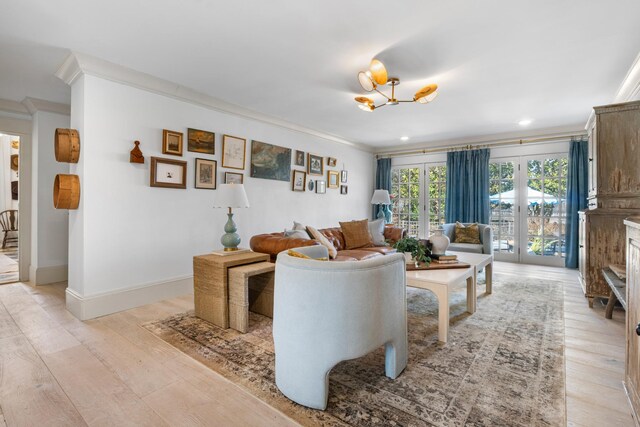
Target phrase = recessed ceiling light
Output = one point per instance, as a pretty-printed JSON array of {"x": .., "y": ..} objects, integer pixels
[
  {"x": 404, "y": 138},
  {"x": 525, "y": 122}
]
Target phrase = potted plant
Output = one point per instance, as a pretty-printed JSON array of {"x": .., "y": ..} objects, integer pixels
[{"x": 419, "y": 251}]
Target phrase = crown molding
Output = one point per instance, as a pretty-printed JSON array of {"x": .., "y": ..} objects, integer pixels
[
  {"x": 33, "y": 105},
  {"x": 13, "y": 107},
  {"x": 630, "y": 88},
  {"x": 78, "y": 64}
]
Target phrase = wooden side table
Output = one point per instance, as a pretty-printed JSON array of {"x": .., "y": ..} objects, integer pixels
[
  {"x": 250, "y": 287},
  {"x": 210, "y": 284}
]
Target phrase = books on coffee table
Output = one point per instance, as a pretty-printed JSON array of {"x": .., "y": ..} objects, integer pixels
[{"x": 446, "y": 258}]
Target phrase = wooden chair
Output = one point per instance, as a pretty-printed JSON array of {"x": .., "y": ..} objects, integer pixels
[{"x": 9, "y": 223}]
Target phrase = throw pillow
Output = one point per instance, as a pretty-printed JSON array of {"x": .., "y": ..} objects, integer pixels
[
  {"x": 298, "y": 226},
  {"x": 323, "y": 241},
  {"x": 376, "y": 228},
  {"x": 356, "y": 234},
  {"x": 467, "y": 234},
  {"x": 296, "y": 254},
  {"x": 297, "y": 234}
]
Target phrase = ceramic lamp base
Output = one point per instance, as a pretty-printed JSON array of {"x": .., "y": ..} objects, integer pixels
[{"x": 230, "y": 240}]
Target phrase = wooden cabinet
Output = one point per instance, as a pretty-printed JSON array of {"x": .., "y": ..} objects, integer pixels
[
  {"x": 632, "y": 359},
  {"x": 614, "y": 192}
]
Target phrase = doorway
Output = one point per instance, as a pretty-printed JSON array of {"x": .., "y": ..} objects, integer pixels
[{"x": 9, "y": 178}]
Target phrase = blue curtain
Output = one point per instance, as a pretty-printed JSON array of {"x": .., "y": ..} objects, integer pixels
[
  {"x": 468, "y": 186},
  {"x": 577, "y": 189},
  {"x": 383, "y": 182}
]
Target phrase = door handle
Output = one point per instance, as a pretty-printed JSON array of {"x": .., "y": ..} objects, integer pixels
[
  {"x": 591, "y": 160},
  {"x": 581, "y": 246},
  {"x": 638, "y": 329}
]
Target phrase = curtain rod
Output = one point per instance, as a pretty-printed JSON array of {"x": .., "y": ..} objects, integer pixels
[{"x": 476, "y": 146}]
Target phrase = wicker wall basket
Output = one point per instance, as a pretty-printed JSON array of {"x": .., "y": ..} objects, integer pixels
[
  {"x": 67, "y": 145},
  {"x": 66, "y": 191}
]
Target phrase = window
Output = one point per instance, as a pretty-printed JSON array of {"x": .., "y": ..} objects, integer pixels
[
  {"x": 437, "y": 195},
  {"x": 405, "y": 198}
]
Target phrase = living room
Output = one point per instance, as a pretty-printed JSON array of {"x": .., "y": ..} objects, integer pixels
[{"x": 162, "y": 106}]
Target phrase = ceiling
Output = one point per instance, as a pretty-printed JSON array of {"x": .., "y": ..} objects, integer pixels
[{"x": 496, "y": 62}]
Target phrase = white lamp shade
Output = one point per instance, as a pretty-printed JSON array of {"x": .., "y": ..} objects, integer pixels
[
  {"x": 230, "y": 196},
  {"x": 381, "y": 197}
]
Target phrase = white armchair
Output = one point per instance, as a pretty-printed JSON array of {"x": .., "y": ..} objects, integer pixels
[{"x": 327, "y": 312}]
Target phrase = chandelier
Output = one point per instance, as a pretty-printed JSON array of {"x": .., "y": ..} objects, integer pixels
[{"x": 376, "y": 76}]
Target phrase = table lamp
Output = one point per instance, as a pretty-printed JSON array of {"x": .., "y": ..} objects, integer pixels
[
  {"x": 381, "y": 198},
  {"x": 230, "y": 196}
]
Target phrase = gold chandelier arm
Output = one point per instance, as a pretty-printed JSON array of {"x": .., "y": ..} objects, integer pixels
[
  {"x": 375, "y": 107},
  {"x": 376, "y": 89},
  {"x": 407, "y": 100}
]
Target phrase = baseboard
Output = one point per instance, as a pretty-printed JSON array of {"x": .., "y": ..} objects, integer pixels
[
  {"x": 46, "y": 275},
  {"x": 90, "y": 307}
]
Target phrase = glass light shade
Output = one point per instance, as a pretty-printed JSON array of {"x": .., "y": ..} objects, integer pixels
[
  {"x": 378, "y": 72},
  {"x": 364, "y": 107},
  {"x": 381, "y": 197},
  {"x": 230, "y": 196},
  {"x": 426, "y": 94},
  {"x": 365, "y": 81}
]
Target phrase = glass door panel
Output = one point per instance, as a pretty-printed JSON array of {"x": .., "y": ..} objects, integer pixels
[
  {"x": 545, "y": 215},
  {"x": 406, "y": 198},
  {"x": 504, "y": 208}
]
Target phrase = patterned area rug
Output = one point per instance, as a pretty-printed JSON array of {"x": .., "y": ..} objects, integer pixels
[
  {"x": 502, "y": 366},
  {"x": 8, "y": 265}
]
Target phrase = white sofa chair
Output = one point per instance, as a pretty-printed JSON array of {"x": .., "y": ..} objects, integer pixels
[
  {"x": 327, "y": 312},
  {"x": 486, "y": 239}
]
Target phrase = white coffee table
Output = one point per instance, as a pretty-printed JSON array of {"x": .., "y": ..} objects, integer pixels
[
  {"x": 440, "y": 282},
  {"x": 478, "y": 261}
]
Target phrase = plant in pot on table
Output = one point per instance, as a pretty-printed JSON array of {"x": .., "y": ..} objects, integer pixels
[{"x": 419, "y": 251}]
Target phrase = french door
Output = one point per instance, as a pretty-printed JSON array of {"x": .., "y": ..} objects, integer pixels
[
  {"x": 418, "y": 197},
  {"x": 528, "y": 208}
]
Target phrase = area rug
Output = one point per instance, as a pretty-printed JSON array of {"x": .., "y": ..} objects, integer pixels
[
  {"x": 502, "y": 366},
  {"x": 8, "y": 265}
]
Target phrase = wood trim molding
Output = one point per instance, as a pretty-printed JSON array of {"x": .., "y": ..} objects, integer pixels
[
  {"x": 630, "y": 88},
  {"x": 77, "y": 64},
  {"x": 92, "y": 306}
]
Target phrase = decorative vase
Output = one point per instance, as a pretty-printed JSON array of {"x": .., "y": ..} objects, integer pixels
[
  {"x": 408, "y": 258},
  {"x": 439, "y": 241}
]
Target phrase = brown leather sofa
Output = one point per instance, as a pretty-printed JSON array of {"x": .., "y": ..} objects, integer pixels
[{"x": 274, "y": 243}]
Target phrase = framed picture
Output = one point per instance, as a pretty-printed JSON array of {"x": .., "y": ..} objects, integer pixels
[
  {"x": 233, "y": 149},
  {"x": 299, "y": 180},
  {"x": 321, "y": 187},
  {"x": 171, "y": 142},
  {"x": 343, "y": 189},
  {"x": 299, "y": 158},
  {"x": 343, "y": 176},
  {"x": 314, "y": 165},
  {"x": 233, "y": 178},
  {"x": 332, "y": 161},
  {"x": 206, "y": 173},
  {"x": 270, "y": 161},
  {"x": 333, "y": 177},
  {"x": 201, "y": 141},
  {"x": 311, "y": 185},
  {"x": 168, "y": 173}
]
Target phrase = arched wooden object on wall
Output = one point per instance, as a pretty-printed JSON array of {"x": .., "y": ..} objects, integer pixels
[
  {"x": 67, "y": 145},
  {"x": 66, "y": 191}
]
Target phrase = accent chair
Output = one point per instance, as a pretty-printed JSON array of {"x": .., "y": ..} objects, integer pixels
[
  {"x": 486, "y": 239},
  {"x": 327, "y": 312}
]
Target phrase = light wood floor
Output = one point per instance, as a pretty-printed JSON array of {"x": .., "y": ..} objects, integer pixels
[{"x": 57, "y": 370}]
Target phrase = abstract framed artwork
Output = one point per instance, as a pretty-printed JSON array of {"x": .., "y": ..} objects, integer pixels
[
  {"x": 321, "y": 186},
  {"x": 171, "y": 142},
  {"x": 233, "y": 178},
  {"x": 333, "y": 179},
  {"x": 299, "y": 159},
  {"x": 299, "y": 180},
  {"x": 314, "y": 165},
  {"x": 344, "y": 189},
  {"x": 201, "y": 141},
  {"x": 270, "y": 161},
  {"x": 206, "y": 173},
  {"x": 168, "y": 173},
  {"x": 233, "y": 152}
]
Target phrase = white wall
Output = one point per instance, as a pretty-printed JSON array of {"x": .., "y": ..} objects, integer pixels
[
  {"x": 127, "y": 235},
  {"x": 50, "y": 226}
]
